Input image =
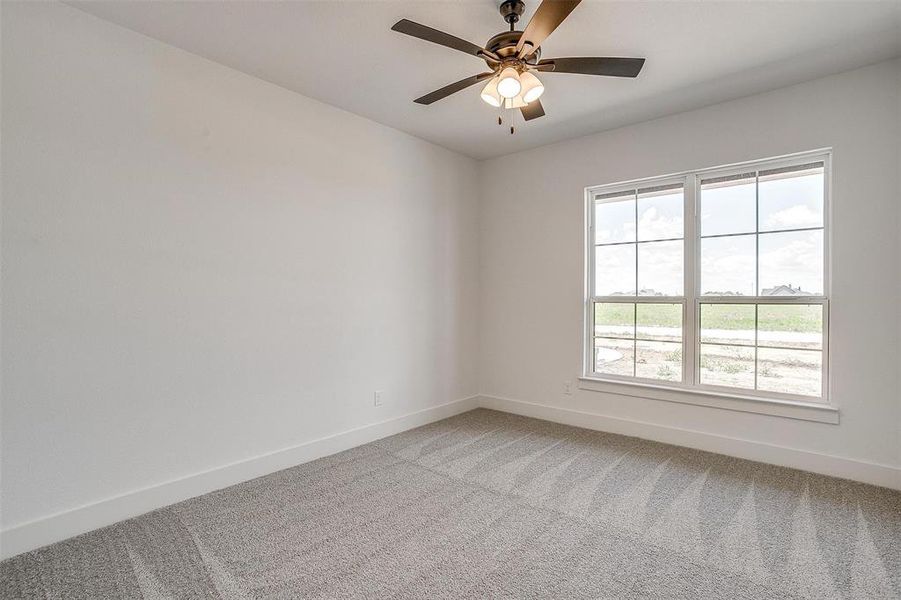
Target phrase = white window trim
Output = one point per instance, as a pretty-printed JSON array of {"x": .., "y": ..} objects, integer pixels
[{"x": 770, "y": 403}]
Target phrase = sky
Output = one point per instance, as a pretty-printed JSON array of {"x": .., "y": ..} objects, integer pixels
[{"x": 728, "y": 264}]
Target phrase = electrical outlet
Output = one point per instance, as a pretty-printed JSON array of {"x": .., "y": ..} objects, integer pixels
[
  {"x": 377, "y": 398},
  {"x": 568, "y": 387}
]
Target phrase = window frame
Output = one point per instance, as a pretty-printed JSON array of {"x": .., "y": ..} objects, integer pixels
[{"x": 692, "y": 299}]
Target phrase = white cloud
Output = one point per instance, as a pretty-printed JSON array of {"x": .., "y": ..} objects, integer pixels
[
  {"x": 729, "y": 273},
  {"x": 799, "y": 215},
  {"x": 796, "y": 259},
  {"x": 660, "y": 267},
  {"x": 652, "y": 225}
]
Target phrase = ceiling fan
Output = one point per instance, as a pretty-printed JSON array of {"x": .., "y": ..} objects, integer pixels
[{"x": 513, "y": 57}]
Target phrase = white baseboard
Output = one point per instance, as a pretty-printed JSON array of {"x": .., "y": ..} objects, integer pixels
[
  {"x": 60, "y": 526},
  {"x": 846, "y": 468}
]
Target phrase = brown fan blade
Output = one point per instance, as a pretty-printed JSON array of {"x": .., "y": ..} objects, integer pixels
[
  {"x": 532, "y": 110},
  {"x": 436, "y": 37},
  {"x": 545, "y": 20},
  {"x": 453, "y": 88},
  {"x": 611, "y": 67}
]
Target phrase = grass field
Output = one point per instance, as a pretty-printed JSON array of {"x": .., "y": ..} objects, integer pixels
[
  {"x": 803, "y": 318},
  {"x": 794, "y": 367}
]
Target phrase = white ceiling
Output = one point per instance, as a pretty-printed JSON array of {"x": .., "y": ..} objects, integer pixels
[{"x": 344, "y": 53}]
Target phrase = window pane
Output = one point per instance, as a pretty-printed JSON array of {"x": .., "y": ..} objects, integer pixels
[
  {"x": 790, "y": 325},
  {"x": 614, "y": 319},
  {"x": 791, "y": 264},
  {"x": 659, "y": 322},
  {"x": 614, "y": 270},
  {"x": 728, "y": 266},
  {"x": 614, "y": 220},
  {"x": 658, "y": 360},
  {"x": 730, "y": 366},
  {"x": 614, "y": 357},
  {"x": 660, "y": 266},
  {"x": 790, "y": 371},
  {"x": 727, "y": 323},
  {"x": 660, "y": 214},
  {"x": 791, "y": 200},
  {"x": 729, "y": 205}
]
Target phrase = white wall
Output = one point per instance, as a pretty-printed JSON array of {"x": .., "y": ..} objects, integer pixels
[
  {"x": 200, "y": 267},
  {"x": 531, "y": 256}
]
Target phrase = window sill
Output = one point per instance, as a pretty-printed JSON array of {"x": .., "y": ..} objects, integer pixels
[{"x": 791, "y": 409}]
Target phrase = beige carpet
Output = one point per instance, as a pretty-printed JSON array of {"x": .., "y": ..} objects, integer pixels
[{"x": 492, "y": 505}]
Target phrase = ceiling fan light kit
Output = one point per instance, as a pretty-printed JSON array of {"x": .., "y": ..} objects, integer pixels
[
  {"x": 508, "y": 86},
  {"x": 512, "y": 55},
  {"x": 532, "y": 88},
  {"x": 490, "y": 93}
]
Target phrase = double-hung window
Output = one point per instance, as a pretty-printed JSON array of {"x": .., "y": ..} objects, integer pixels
[{"x": 713, "y": 280}]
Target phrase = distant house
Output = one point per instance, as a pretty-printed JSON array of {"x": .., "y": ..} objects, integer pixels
[
  {"x": 649, "y": 292},
  {"x": 784, "y": 290}
]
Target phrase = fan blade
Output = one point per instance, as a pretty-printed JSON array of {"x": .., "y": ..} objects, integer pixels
[
  {"x": 532, "y": 110},
  {"x": 611, "y": 67},
  {"x": 436, "y": 37},
  {"x": 545, "y": 20},
  {"x": 453, "y": 88}
]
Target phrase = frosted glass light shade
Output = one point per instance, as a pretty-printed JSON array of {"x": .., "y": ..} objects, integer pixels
[
  {"x": 509, "y": 85},
  {"x": 490, "y": 93},
  {"x": 515, "y": 102},
  {"x": 532, "y": 88}
]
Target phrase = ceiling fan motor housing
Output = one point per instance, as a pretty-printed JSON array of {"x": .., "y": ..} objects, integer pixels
[{"x": 504, "y": 43}]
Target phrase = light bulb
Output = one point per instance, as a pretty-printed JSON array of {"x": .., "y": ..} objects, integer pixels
[
  {"x": 532, "y": 88},
  {"x": 509, "y": 85},
  {"x": 490, "y": 94}
]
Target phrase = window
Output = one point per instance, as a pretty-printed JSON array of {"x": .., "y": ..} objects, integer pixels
[{"x": 712, "y": 280}]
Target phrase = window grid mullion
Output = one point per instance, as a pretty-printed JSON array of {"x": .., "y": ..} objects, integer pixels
[
  {"x": 756, "y": 243},
  {"x": 635, "y": 200},
  {"x": 741, "y": 233},
  {"x": 691, "y": 276},
  {"x": 635, "y": 306},
  {"x": 606, "y": 244},
  {"x": 756, "y": 329},
  {"x": 635, "y": 331}
]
